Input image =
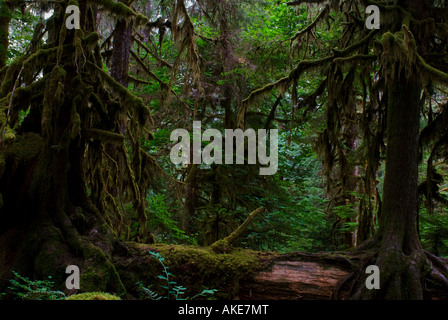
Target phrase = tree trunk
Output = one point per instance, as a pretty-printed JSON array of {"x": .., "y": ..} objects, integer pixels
[
  {"x": 400, "y": 257},
  {"x": 48, "y": 221},
  {"x": 121, "y": 50},
  {"x": 5, "y": 19}
]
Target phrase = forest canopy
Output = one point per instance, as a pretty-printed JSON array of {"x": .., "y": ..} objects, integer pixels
[{"x": 349, "y": 115}]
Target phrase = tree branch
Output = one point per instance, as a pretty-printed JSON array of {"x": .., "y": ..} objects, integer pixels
[
  {"x": 299, "y": 2},
  {"x": 313, "y": 24},
  {"x": 161, "y": 61}
]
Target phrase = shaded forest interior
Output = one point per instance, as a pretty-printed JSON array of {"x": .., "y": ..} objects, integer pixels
[{"x": 354, "y": 119}]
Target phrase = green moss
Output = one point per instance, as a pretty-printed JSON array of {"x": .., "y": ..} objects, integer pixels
[
  {"x": 225, "y": 245},
  {"x": 130, "y": 101},
  {"x": 53, "y": 98},
  {"x": 90, "y": 41},
  {"x": 120, "y": 10},
  {"x": 10, "y": 77},
  {"x": 106, "y": 136},
  {"x": 94, "y": 280},
  {"x": 4, "y": 106},
  {"x": 192, "y": 267},
  {"x": 93, "y": 296},
  {"x": 99, "y": 273},
  {"x": 25, "y": 147},
  {"x": 76, "y": 125},
  {"x": 221, "y": 246}
]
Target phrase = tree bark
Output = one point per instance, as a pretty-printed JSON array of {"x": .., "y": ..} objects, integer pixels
[
  {"x": 399, "y": 254},
  {"x": 121, "y": 50},
  {"x": 5, "y": 19}
]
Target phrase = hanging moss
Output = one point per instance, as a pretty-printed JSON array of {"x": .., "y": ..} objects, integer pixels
[
  {"x": 10, "y": 76},
  {"x": 90, "y": 41},
  {"x": 9, "y": 133},
  {"x": 98, "y": 104},
  {"x": 106, "y": 136},
  {"x": 129, "y": 100},
  {"x": 24, "y": 147},
  {"x": 122, "y": 11},
  {"x": 53, "y": 98},
  {"x": 76, "y": 125},
  {"x": 39, "y": 58}
]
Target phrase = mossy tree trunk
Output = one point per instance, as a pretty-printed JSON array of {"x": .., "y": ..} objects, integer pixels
[
  {"x": 48, "y": 219},
  {"x": 400, "y": 256},
  {"x": 5, "y": 18}
]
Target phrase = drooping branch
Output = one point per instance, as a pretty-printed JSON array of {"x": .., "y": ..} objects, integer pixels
[
  {"x": 119, "y": 9},
  {"x": 161, "y": 61},
  {"x": 322, "y": 15},
  {"x": 299, "y": 2},
  {"x": 436, "y": 129},
  {"x": 184, "y": 37},
  {"x": 281, "y": 84},
  {"x": 165, "y": 86},
  {"x": 271, "y": 115},
  {"x": 356, "y": 57},
  {"x": 5, "y": 128}
]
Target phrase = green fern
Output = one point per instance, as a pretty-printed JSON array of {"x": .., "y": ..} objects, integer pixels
[
  {"x": 172, "y": 289},
  {"x": 26, "y": 289}
]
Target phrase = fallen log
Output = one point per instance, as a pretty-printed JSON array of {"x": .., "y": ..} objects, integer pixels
[
  {"x": 240, "y": 274},
  {"x": 293, "y": 280}
]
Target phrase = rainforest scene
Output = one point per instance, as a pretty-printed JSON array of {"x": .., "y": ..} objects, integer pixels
[{"x": 223, "y": 150}]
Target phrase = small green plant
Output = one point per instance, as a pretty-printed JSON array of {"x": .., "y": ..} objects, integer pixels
[
  {"x": 173, "y": 291},
  {"x": 26, "y": 289}
]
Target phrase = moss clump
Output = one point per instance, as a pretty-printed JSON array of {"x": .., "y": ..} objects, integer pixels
[
  {"x": 122, "y": 11},
  {"x": 93, "y": 296},
  {"x": 24, "y": 148},
  {"x": 222, "y": 246},
  {"x": 195, "y": 268}
]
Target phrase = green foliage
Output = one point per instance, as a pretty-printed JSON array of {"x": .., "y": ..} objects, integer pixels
[
  {"x": 25, "y": 289},
  {"x": 297, "y": 219},
  {"x": 434, "y": 232},
  {"x": 169, "y": 289},
  {"x": 20, "y": 33}
]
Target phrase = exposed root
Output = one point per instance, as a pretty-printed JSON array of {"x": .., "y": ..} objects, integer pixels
[{"x": 415, "y": 276}]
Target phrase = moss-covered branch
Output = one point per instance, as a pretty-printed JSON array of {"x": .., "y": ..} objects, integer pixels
[
  {"x": 224, "y": 245},
  {"x": 322, "y": 15},
  {"x": 165, "y": 86},
  {"x": 161, "y": 61},
  {"x": 120, "y": 10}
]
